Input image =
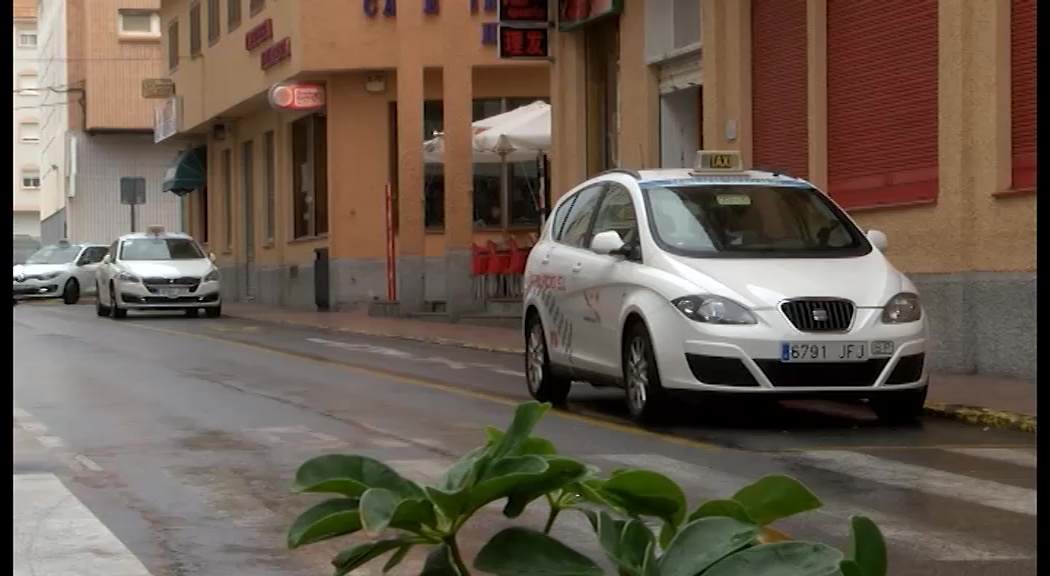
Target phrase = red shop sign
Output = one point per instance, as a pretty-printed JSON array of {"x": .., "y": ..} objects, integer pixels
[
  {"x": 524, "y": 11},
  {"x": 523, "y": 42},
  {"x": 297, "y": 96},
  {"x": 276, "y": 53},
  {"x": 258, "y": 35}
]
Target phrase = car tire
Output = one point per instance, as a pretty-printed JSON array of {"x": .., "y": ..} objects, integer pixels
[
  {"x": 641, "y": 376},
  {"x": 903, "y": 407},
  {"x": 191, "y": 312},
  {"x": 543, "y": 384},
  {"x": 115, "y": 311},
  {"x": 71, "y": 292},
  {"x": 213, "y": 312},
  {"x": 100, "y": 309}
]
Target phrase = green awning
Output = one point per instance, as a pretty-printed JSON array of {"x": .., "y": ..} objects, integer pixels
[{"x": 188, "y": 173}]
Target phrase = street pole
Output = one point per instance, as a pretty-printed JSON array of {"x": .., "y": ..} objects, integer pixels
[{"x": 132, "y": 208}]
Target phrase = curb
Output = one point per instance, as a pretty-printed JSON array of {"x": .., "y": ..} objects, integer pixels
[
  {"x": 985, "y": 417},
  {"x": 422, "y": 339}
]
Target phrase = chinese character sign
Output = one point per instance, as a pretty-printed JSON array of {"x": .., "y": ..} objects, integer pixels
[{"x": 519, "y": 42}]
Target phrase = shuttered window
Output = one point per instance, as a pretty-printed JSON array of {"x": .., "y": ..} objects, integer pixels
[
  {"x": 882, "y": 102},
  {"x": 1022, "y": 91},
  {"x": 779, "y": 81}
]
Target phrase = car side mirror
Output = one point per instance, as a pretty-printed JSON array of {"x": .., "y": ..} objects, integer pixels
[
  {"x": 106, "y": 259},
  {"x": 211, "y": 256},
  {"x": 609, "y": 242},
  {"x": 878, "y": 239}
]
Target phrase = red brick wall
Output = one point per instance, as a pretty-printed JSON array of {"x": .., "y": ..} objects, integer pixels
[
  {"x": 882, "y": 102},
  {"x": 779, "y": 113}
]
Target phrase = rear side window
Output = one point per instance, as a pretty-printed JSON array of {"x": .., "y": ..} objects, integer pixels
[
  {"x": 559, "y": 217},
  {"x": 577, "y": 225}
]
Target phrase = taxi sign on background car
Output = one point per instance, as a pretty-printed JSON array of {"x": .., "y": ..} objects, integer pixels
[
  {"x": 155, "y": 230},
  {"x": 717, "y": 161}
]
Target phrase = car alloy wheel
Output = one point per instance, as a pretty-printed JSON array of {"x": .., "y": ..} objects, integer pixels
[
  {"x": 637, "y": 376},
  {"x": 535, "y": 358}
]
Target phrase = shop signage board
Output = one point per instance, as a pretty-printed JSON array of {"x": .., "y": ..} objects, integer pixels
[
  {"x": 524, "y": 11},
  {"x": 258, "y": 35},
  {"x": 275, "y": 53},
  {"x": 523, "y": 42},
  {"x": 157, "y": 88},
  {"x": 166, "y": 119},
  {"x": 297, "y": 96},
  {"x": 573, "y": 14}
]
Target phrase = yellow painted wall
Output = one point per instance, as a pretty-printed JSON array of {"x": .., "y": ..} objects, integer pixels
[{"x": 969, "y": 228}]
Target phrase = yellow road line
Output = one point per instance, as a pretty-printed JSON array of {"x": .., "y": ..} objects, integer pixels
[{"x": 447, "y": 388}]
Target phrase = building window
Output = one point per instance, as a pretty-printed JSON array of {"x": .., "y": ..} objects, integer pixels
[
  {"x": 29, "y": 85},
  {"x": 29, "y": 132},
  {"x": 31, "y": 179},
  {"x": 213, "y": 21},
  {"x": 270, "y": 184},
  {"x": 27, "y": 40},
  {"x": 503, "y": 196},
  {"x": 227, "y": 198},
  {"x": 233, "y": 14},
  {"x": 173, "y": 45},
  {"x": 310, "y": 175},
  {"x": 138, "y": 23},
  {"x": 195, "y": 29},
  {"x": 256, "y": 6}
]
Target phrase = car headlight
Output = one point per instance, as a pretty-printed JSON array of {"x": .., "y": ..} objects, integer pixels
[
  {"x": 212, "y": 276},
  {"x": 50, "y": 275},
  {"x": 902, "y": 308},
  {"x": 127, "y": 277},
  {"x": 713, "y": 310}
]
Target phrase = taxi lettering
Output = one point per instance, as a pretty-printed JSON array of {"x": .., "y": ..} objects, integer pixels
[{"x": 547, "y": 282}]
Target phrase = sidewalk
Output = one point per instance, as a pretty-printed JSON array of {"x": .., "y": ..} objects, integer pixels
[{"x": 980, "y": 400}]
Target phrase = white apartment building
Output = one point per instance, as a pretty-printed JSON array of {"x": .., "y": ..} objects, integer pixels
[
  {"x": 95, "y": 126},
  {"x": 26, "y": 126}
]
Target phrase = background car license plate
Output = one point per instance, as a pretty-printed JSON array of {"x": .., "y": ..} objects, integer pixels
[
  {"x": 171, "y": 292},
  {"x": 824, "y": 351}
]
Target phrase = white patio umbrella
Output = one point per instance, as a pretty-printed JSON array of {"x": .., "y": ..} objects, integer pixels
[
  {"x": 524, "y": 129},
  {"x": 434, "y": 153}
]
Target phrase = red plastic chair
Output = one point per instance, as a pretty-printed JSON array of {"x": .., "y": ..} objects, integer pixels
[
  {"x": 479, "y": 259},
  {"x": 518, "y": 256}
]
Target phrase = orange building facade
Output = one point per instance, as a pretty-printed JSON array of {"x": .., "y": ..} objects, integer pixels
[
  {"x": 918, "y": 116},
  {"x": 294, "y": 204}
]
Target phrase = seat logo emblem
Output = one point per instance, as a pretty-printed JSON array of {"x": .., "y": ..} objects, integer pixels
[{"x": 820, "y": 315}]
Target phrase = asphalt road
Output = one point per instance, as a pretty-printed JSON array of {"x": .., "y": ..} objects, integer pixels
[{"x": 167, "y": 444}]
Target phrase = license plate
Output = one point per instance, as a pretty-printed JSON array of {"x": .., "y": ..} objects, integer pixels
[
  {"x": 171, "y": 292},
  {"x": 833, "y": 351}
]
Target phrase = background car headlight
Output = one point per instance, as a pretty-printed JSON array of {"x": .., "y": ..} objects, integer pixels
[
  {"x": 903, "y": 307},
  {"x": 127, "y": 277},
  {"x": 50, "y": 275},
  {"x": 713, "y": 310},
  {"x": 212, "y": 276}
]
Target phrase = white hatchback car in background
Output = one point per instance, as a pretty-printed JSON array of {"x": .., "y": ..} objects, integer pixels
[
  {"x": 718, "y": 279},
  {"x": 158, "y": 270},
  {"x": 61, "y": 270}
]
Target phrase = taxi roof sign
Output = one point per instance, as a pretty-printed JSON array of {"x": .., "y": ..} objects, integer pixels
[
  {"x": 708, "y": 161},
  {"x": 155, "y": 230}
]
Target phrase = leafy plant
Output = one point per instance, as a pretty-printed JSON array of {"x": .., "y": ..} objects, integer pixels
[{"x": 724, "y": 537}]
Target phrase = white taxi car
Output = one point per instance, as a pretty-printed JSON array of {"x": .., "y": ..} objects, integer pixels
[
  {"x": 718, "y": 279},
  {"x": 158, "y": 270},
  {"x": 61, "y": 270}
]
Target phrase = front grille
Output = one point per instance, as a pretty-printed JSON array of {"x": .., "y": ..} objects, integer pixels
[
  {"x": 164, "y": 300},
  {"x": 720, "y": 371},
  {"x": 190, "y": 283},
  {"x": 819, "y": 315},
  {"x": 818, "y": 374}
]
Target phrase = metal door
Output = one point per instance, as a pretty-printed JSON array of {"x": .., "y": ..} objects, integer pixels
[{"x": 248, "y": 188}]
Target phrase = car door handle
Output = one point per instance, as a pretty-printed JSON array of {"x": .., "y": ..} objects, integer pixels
[
  {"x": 546, "y": 259},
  {"x": 576, "y": 269}
]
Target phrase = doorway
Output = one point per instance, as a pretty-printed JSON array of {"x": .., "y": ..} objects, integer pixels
[{"x": 681, "y": 127}]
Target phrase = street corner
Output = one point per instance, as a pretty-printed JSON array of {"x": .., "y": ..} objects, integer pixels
[{"x": 986, "y": 417}]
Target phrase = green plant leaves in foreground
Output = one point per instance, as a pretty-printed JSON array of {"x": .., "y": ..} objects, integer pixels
[
  {"x": 704, "y": 542},
  {"x": 721, "y": 537},
  {"x": 524, "y": 552},
  {"x": 351, "y": 475},
  {"x": 331, "y": 518},
  {"x": 780, "y": 559},
  {"x": 867, "y": 548}
]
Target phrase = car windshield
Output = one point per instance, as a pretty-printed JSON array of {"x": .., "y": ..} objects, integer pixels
[
  {"x": 54, "y": 254},
  {"x": 160, "y": 249},
  {"x": 758, "y": 221}
]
